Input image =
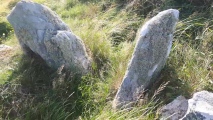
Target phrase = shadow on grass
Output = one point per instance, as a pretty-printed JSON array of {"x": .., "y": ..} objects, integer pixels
[
  {"x": 168, "y": 86},
  {"x": 35, "y": 91}
]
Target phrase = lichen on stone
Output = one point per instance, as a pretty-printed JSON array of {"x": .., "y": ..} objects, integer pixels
[
  {"x": 149, "y": 57},
  {"x": 41, "y": 30}
]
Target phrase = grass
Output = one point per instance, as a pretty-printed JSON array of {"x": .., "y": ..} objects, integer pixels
[{"x": 31, "y": 90}]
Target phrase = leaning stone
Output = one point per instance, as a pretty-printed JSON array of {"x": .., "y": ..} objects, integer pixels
[
  {"x": 40, "y": 31},
  {"x": 200, "y": 107},
  {"x": 174, "y": 110},
  {"x": 149, "y": 57}
]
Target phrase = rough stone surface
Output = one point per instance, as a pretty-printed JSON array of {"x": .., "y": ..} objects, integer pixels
[
  {"x": 149, "y": 57},
  {"x": 40, "y": 31},
  {"x": 200, "y": 107},
  {"x": 175, "y": 110}
]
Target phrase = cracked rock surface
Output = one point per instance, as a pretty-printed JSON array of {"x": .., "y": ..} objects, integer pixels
[
  {"x": 151, "y": 52},
  {"x": 199, "y": 107},
  {"x": 175, "y": 110},
  {"x": 40, "y": 31}
]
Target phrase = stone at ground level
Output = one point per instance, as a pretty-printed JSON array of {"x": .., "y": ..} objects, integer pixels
[
  {"x": 175, "y": 110},
  {"x": 149, "y": 57},
  {"x": 199, "y": 107},
  {"x": 41, "y": 32},
  {"x": 4, "y": 47},
  {"x": 5, "y": 52}
]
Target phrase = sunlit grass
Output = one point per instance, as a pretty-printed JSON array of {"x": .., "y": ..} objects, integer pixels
[{"x": 108, "y": 30}]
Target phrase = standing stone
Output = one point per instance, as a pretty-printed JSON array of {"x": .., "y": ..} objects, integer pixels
[
  {"x": 40, "y": 31},
  {"x": 149, "y": 57}
]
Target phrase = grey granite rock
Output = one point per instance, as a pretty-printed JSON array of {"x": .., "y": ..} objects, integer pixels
[
  {"x": 41, "y": 31},
  {"x": 149, "y": 57},
  {"x": 199, "y": 107},
  {"x": 175, "y": 110}
]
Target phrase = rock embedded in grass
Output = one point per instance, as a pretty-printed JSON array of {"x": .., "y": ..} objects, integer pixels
[
  {"x": 175, "y": 110},
  {"x": 4, "y": 47},
  {"x": 40, "y": 31},
  {"x": 149, "y": 57},
  {"x": 199, "y": 107},
  {"x": 5, "y": 53}
]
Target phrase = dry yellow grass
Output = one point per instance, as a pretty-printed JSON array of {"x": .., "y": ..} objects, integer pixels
[{"x": 4, "y": 6}]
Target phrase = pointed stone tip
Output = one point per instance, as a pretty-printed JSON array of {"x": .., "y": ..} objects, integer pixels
[
  {"x": 145, "y": 29},
  {"x": 176, "y": 13}
]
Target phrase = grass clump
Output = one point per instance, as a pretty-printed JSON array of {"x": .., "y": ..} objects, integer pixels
[
  {"x": 5, "y": 30},
  {"x": 201, "y": 2},
  {"x": 12, "y": 4}
]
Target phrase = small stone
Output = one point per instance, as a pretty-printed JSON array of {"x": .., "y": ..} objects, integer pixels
[
  {"x": 4, "y": 47},
  {"x": 200, "y": 107},
  {"x": 174, "y": 110},
  {"x": 5, "y": 52}
]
